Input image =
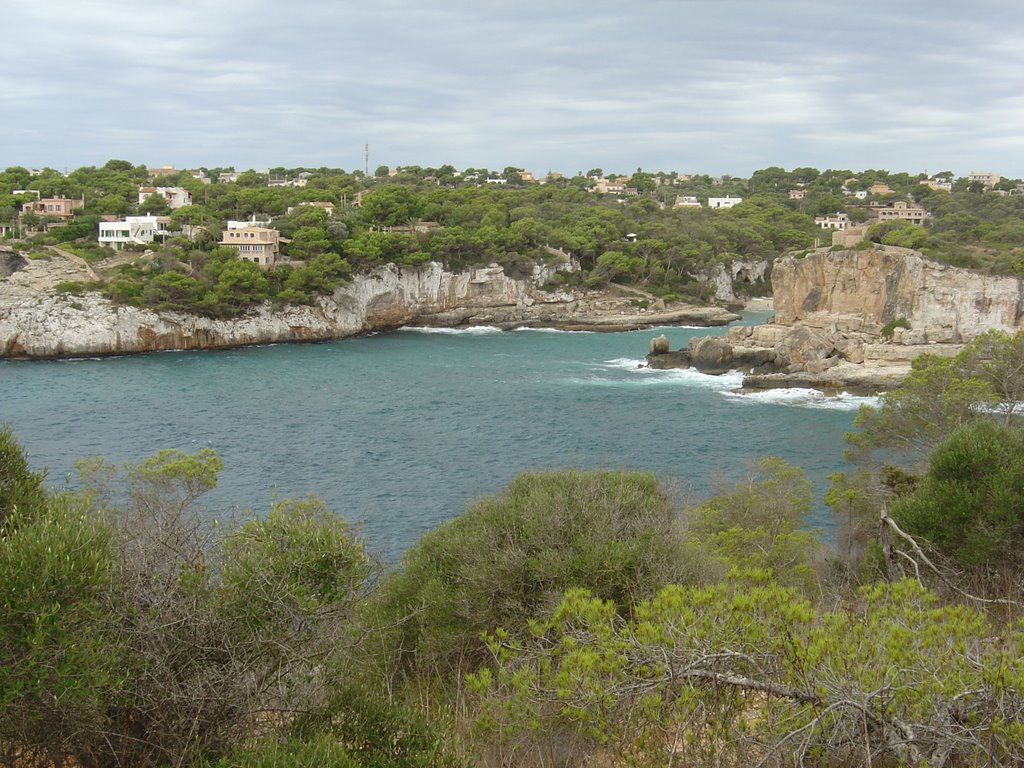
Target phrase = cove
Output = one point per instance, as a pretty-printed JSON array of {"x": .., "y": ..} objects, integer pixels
[{"x": 399, "y": 431}]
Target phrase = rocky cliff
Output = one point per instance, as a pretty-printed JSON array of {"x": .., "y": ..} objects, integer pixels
[
  {"x": 831, "y": 308},
  {"x": 36, "y": 322}
]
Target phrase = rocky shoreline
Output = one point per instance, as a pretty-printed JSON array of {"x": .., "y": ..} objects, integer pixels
[
  {"x": 37, "y": 322},
  {"x": 854, "y": 321}
]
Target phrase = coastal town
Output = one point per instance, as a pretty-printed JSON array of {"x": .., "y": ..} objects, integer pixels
[{"x": 257, "y": 240}]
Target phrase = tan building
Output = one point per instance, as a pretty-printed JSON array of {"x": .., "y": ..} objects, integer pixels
[
  {"x": 609, "y": 187},
  {"x": 163, "y": 170},
  {"x": 61, "y": 207},
  {"x": 939, "y": 184},
  {"x": 880, "y": 188},
  {"x": 797, "y": 194},
  {"x": 986, "y": 178},
  {"x": 902, "y": 211},
  {"x": 260, "y": 245},
  {"x": 849, "y": 237}
]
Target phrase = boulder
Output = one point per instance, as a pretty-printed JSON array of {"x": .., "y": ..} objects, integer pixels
[
  {"x": 658, "y": 345},
  {"x": 711, "y": 354},
  {"x": 802, "y": 345}
]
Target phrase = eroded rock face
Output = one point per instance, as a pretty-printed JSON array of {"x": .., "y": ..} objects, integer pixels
[
  {"x": 943, "y": 304},
  {"x": 37, "y": 323},
  {"x": 723, "y": 276},
  {"x": 830, "y": 308}
]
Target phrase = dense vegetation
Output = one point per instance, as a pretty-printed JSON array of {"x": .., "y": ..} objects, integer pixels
[
  {"x": 639, "y": 238},
  {"x": 575, "y": 618}
]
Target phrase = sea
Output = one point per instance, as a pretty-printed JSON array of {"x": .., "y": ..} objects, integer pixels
[{"x": 400, "y": 431}]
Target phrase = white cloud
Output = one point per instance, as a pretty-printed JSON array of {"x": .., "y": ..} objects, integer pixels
[{"x": 725, "y": 86}]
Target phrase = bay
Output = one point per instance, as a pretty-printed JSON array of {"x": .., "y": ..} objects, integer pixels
[{"x": 399, "y": 431}]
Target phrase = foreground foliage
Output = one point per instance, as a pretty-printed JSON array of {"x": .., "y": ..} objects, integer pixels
[
  {"x": 748, "y": 671},
  {"x": 576, "y": 618}
]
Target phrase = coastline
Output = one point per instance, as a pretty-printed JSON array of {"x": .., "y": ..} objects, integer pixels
[{"x": 40, "y": 323}]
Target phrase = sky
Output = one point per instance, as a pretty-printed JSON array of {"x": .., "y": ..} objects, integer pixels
[{"x": 694, "y": 86}]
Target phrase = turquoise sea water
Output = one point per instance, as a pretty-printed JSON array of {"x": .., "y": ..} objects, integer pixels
[{"x": 399, "y": 431}]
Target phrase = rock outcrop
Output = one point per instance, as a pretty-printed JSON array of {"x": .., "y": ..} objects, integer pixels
[
  {"x": 832, "y": 306},
  {"x": 739, "y": 271},
  {"x": 40, "y": 323}
]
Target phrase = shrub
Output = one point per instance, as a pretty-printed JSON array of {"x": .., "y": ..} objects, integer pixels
[
  {"x": 970, "y": 503},
  {"x": 510, "y": 557},
  {"x": 889, "y": 328}
]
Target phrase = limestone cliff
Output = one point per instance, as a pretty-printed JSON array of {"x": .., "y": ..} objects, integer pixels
[
  {"x": 866, "y": 289},
  {"x": 39, "y": 323},
  {"x": 830, "y": 309},
  {"x": 725, "y": 276}
]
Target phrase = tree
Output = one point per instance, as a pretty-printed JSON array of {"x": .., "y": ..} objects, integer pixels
[
  {"x": 308, "y": 242},
  {"x": 238, "y": 284},
  {"x": 713, "y": 676},
  {"x": 969, "y": 505},
  {"x": 214, "y": 623},
  {"x": 390, "y": 205},
  {"x": 509, "y": 558},
  {"x": 22, "y": 493},
  {"x": 154, "y": 204},
  {"x": 173, "y": 290},
  {"x": 985, "y": 379},
  {"x": 758, "y": 525}
]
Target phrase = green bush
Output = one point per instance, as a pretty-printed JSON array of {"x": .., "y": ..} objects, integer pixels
[
  {"x": 510, "y": 558},
  {"x": 889, "y": 328},
  {"x": 970, "y": 503}
]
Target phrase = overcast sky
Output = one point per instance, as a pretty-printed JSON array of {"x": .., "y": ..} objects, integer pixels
[{"x": 696, "y": 86}]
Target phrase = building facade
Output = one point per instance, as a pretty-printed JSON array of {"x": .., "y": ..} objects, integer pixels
[
  {"x": 175, "y": 197},
  {"x": 902, "y": 211},
  {"x": 259, "y": 245},
  {"x": 724, "y": 202},
  {"x": 134, "y": 230},
  {"x": 61, "y": 207}
]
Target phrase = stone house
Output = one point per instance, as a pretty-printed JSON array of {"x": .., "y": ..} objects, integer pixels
[
  {"x": 254, "y": 243},
  {"x": 61, "y": 207}
]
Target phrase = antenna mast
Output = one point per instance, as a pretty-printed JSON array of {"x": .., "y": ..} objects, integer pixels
[{"x": 366, "y": 158}]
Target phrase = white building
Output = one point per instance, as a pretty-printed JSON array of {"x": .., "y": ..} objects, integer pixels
[
  {"x": 840, "y": 221},
  {"x": 134, "y": 230},
  {"x": 724, "y": 202},
  {"x": 686, "y": 201},
  {"x": 175, "y": 197}
]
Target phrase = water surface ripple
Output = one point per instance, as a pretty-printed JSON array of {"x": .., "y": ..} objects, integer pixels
[{"x": 399, "y": 431}]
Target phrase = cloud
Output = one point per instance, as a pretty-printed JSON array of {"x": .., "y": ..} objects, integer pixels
[{"x": 720, "y": 87}]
